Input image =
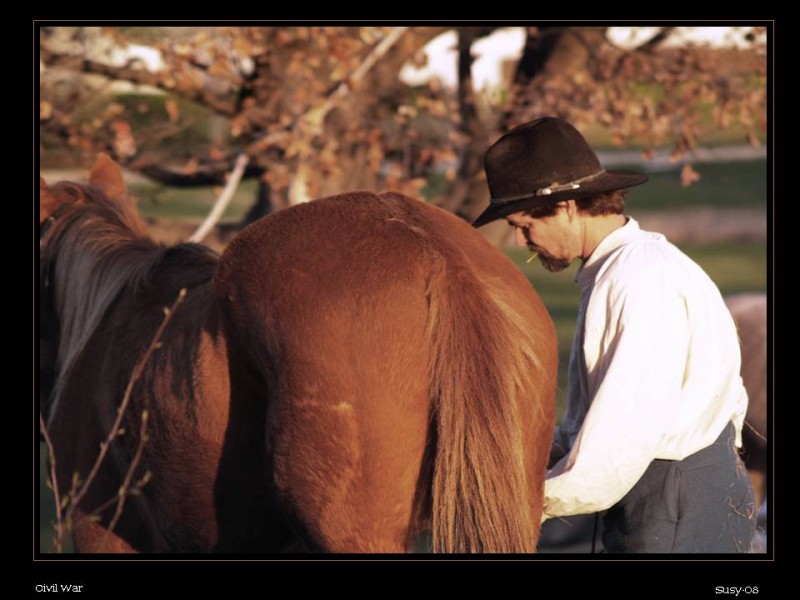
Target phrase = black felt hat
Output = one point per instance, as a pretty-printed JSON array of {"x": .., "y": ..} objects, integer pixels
[{"x": 543, "y": 161}]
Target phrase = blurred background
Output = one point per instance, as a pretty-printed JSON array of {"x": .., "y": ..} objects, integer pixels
[{"x": 322, "y": 110}]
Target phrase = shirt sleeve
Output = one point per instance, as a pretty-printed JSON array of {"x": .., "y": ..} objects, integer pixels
[{"x": 641, "y": 352}]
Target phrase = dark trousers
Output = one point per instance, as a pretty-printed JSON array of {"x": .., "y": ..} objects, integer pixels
[{"x": 703, "y": 503}]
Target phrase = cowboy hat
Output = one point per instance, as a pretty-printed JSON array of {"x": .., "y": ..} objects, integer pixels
[{"x": 543, "y": 161}]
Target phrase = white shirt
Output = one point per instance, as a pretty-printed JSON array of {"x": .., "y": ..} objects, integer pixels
[{"x": 654, "y": 370}]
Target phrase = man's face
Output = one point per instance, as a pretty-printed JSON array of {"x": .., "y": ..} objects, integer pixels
[{"x": 553, "y": 237}]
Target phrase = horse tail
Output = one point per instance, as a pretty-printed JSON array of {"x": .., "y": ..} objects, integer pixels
[{"x": 484, "y": 357}]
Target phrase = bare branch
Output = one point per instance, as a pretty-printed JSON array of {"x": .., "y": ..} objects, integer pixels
[
  {"x": 222, "y": 202},
  {"x": 54, "y": 484},
  {"x": 212, "y": 174},
  {"x": 138, "y": 369},
  {"x": 590, "y": 48},
  {"x": 201, "y": 94},
  {"x": 123, "y": 492},
  {"x": 64, "y": 519},
  {"x": 657, "y": 39},
  {"x": 647, "y": 48}
]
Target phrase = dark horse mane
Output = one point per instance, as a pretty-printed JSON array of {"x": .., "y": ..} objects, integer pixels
[{"x": 93, "y": 257}]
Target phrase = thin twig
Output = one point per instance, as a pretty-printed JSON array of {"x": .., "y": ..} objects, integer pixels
[
  {"x": 53, "y": 483},
  {"x": 135, "y": 375},
  {"x": 222, "y": 202},
  {"x": 123, "y": 490},
  {"x": 647, "y": 47},
  {"x": 79, "y": 489}
]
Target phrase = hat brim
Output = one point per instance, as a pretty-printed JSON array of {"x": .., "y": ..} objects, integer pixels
[{"x": 607, "y": 182}]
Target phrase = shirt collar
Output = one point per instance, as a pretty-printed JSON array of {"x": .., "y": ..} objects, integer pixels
[{"x": 616, "y": 239}]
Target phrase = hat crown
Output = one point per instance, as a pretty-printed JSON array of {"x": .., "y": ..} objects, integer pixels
[{"x": 536, "y": 155}]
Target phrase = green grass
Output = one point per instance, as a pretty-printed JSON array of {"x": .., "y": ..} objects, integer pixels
[
  {"x": 191, "y": 204},
  {"x": 599, "y": 136},
  {"x": 735, "y": 268},
  {"x": 723, "y": 185}
]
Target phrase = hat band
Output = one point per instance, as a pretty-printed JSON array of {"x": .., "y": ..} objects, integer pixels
[{"x": 552, "y": 188}]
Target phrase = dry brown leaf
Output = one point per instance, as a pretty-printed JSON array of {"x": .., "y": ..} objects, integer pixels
[
  {"x": 124, "y": 144},
  {"x": 689, "y": 175},
  {"x": 190, "y": 167},
  {"x": 172, "y": 110}
]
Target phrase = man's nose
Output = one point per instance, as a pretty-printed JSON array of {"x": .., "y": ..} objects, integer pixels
[{"x": 519, "y": 237}]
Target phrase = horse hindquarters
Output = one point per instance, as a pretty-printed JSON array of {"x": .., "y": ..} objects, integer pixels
[
  {"x": 367, "y": 324},
  {"x": 341, "y": 350},
  {"x": 347, "y": 429}
]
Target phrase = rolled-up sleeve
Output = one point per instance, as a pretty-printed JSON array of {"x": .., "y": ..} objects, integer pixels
[{"x": 638, "y": 337}]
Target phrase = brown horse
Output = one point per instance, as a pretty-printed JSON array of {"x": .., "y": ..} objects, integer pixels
[
  {"x": 749, "y": 311},
  {"x": 350, "y": 373}
]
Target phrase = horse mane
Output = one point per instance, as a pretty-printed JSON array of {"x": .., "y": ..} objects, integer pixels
[{"x": 94, "y": 251}]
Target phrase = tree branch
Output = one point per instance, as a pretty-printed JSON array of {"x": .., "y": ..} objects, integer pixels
[
  {"x": 469, "y": 189},
  {"x": 590, "y": 48},
  {"x": 138, "y": 369},
  {"x": 314, "y": 117},
  {"x": 64, "y": 520},
  {"x": 222, "y": 202},
  {"x": 160, "y": 79},
  {"x": 51, "y": 457},
  {"x": 647, "y": 48},
  {"x": 125, "y": 488},
  {"x": 657, "y": 39},
  {"x": 213, "y": 174},
  {"x": 470, "y": 123}
]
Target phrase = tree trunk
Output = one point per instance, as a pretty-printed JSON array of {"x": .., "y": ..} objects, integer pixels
[
  {"x": 548, "y": 52},
  {"x": 469, "y": 192},
  {"x": 551, "y": 52},
  {"x": 261, "y": 207}
]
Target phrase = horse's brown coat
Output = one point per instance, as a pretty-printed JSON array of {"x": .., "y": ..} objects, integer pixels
[
  {"x": 352, "y": 372},
  {"x": 750, "y": 313}
]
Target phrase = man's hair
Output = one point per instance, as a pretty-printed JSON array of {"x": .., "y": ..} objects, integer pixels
[{"x": 610, "y": 203}]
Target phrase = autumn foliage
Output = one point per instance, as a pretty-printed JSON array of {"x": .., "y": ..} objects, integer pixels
[{"x": 320, "y": 110}]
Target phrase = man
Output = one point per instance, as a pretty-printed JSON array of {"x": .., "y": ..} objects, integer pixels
[{"x": 655, "y": 401}]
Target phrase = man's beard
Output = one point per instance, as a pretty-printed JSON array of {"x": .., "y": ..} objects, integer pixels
[{"x": 552, "y": 264}]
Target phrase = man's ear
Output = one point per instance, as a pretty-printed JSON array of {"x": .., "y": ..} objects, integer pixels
[{"x": 572, "y": 209}]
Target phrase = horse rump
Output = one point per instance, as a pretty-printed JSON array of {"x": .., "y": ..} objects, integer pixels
[{"x": 408, "y": 373}]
